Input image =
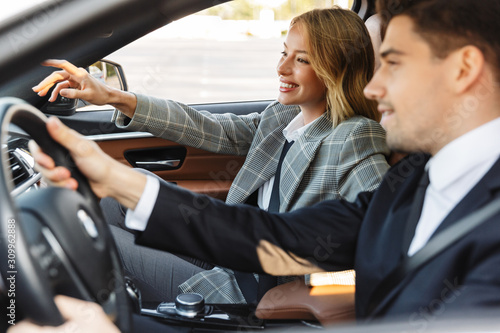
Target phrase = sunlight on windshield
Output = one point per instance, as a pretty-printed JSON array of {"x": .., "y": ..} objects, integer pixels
[
  {"x": 225, "y": 53},
  {"x": 11, "y": 8}
]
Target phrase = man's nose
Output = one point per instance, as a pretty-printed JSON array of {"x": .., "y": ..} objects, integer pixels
[{"x": 374, "y": 89}]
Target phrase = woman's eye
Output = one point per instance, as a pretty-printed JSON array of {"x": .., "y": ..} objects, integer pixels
[
  {"x": 303, "y": 61},
  {"x": 283, "y": 54}
]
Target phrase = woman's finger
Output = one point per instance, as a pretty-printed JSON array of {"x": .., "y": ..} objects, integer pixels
[
  {"x": 58, "y": 88},
  {"x": 62, "y": 64},
  {"x": 44, "y": 86}
]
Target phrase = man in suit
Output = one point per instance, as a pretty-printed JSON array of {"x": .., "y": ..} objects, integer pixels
[{"x": 438, "y": 90}]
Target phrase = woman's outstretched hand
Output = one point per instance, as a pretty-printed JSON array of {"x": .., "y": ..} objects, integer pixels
[
  {"x": 72, "y": 82},
  {"x": 75, "y": 82}
]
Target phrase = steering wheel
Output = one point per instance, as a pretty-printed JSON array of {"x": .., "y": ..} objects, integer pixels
[{"x": 56, "y": 241}]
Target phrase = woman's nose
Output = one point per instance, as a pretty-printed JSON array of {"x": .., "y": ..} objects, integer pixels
[{"x": 283, "y": 67}]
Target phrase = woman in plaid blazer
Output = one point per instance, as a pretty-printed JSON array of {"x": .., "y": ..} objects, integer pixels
[
  {"x": 341, "y": 153},
  {"x": 339, "y": 147}
]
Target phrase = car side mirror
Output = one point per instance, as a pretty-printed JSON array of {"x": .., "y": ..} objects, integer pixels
[{"x": 109, "y": 72}]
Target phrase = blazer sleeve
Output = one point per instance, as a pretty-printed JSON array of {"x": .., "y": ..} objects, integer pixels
[
  {"x": 220, "y": 133},
  {"x": 362, "y": 160},
  {"x": 245, "y": 238}
]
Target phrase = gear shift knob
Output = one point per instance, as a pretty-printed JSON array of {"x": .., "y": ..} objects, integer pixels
[{"x": 189, "y": 305}]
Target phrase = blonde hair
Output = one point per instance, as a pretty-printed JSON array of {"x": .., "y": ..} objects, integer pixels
[{"x": 341, "y": 55}]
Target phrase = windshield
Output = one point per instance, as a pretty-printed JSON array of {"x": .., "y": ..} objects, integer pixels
[{"x": 11, "y": 8}]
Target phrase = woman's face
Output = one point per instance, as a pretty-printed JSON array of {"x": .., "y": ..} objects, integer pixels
[{"x": 299, "y": 84}]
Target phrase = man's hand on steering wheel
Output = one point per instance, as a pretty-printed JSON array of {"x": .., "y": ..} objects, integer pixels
[
  {"x": 106, "y": 176},
  {"x": 81, "y": 316}
]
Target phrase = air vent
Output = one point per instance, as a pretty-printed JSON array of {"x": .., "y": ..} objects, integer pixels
[{"x": 20, "y": 171}]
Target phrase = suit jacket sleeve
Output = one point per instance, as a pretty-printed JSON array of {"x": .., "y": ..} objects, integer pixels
[
  {"x": 246, "y": 238},
  {"x": 220, "y": 133}
]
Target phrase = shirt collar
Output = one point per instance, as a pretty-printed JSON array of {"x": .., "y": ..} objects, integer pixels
[
  {"x": 296, "y": 128},
  {"x": 460, "y": 156}
]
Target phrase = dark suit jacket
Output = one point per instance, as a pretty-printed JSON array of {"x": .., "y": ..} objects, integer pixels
[{"x": 369, "y": 235}]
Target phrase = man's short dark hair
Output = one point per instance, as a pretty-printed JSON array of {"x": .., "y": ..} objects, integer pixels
[
  {"x": 387, "y": 9},
  {"x": 448, "y": 25}
]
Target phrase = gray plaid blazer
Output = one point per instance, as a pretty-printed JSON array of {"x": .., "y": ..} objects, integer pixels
[{"x": 324, "y": 163}]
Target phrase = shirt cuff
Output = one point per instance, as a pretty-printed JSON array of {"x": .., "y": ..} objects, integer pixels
[{"x": 137, "y": 219}]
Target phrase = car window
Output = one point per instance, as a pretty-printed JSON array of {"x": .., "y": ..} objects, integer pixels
[
  {"x": 11, "y": 8},
  {"x": 226, "y": 53}
]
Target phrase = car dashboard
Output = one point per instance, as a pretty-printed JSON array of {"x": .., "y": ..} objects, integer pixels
[{"x": 20, "y": 162}]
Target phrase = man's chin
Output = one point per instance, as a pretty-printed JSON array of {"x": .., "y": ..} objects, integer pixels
[
  {"x": 404, "y": 147},
  {"x": 397, "y": 145}
]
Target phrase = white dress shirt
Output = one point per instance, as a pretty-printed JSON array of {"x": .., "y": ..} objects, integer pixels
[
  {"x": 453, "y": 172},
  {"x": 137, "y": 219}
]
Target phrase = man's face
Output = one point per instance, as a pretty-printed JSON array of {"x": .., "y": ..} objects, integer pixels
[{"x": 411, "y": 88}]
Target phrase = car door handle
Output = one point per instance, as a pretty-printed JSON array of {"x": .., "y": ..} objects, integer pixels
[
  {"x": 169, "y": 163},
  {"x": 156, "y": 158}
]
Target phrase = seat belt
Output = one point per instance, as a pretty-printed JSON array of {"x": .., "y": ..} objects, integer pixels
[
  {"x": 250, "y": 288},
  {"x": 435, "y": 246}
]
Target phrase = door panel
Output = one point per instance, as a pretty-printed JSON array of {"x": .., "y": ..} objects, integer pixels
[{"x": 199, "y": 171}]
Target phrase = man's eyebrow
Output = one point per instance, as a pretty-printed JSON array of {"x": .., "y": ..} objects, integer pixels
[{"x": 389, "y": 52}]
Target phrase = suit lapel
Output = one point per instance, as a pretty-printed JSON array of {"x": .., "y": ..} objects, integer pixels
[
  {"x": 263, "y": 156},
  {"x": 294, "y": 166},
  {"x": 299, "y": 157},
  {"x": 260, "y": 165},
  {"x": 262, "y": 161}
]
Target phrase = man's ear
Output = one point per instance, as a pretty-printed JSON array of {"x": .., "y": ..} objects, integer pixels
[{"x": 469, "y": 61}]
